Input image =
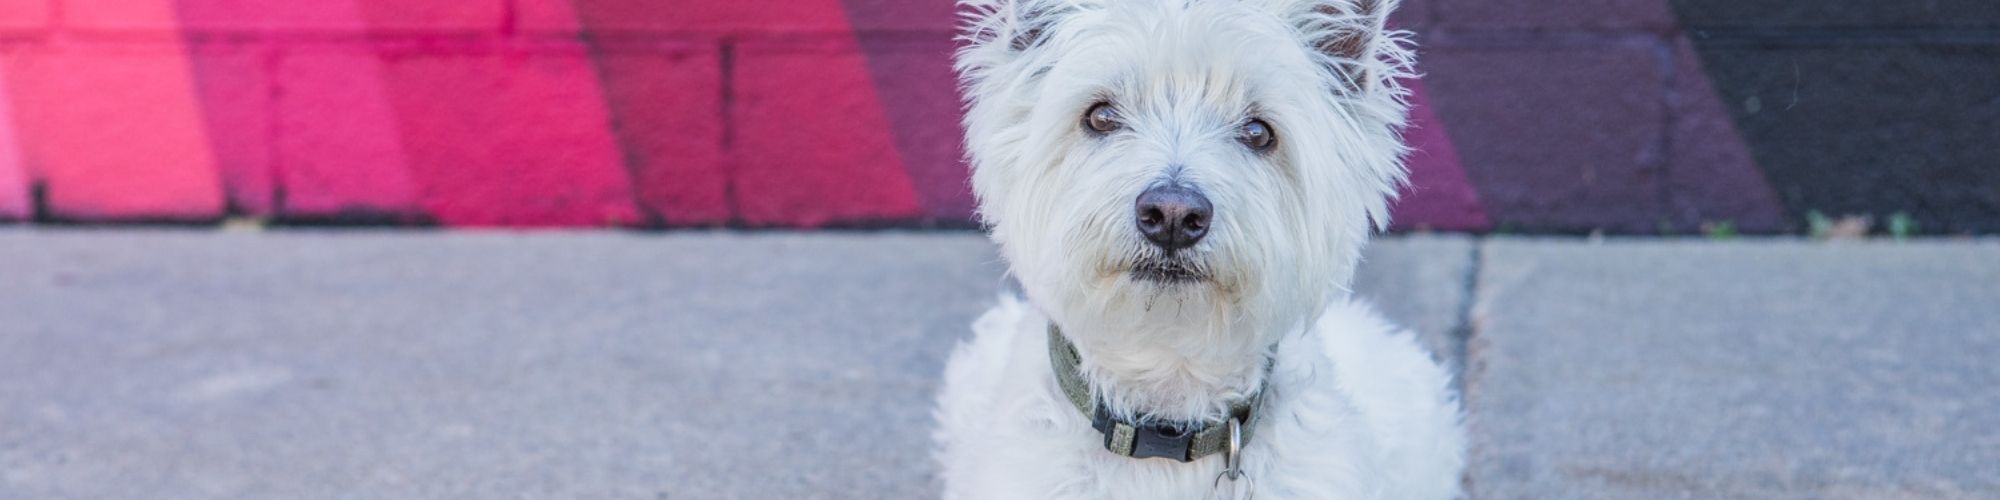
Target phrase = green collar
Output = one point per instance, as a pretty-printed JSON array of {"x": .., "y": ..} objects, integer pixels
[{"x": 1183, "y": 441}]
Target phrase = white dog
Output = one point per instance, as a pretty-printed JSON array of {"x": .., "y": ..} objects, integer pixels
[{"x": 1183, "y": 189}]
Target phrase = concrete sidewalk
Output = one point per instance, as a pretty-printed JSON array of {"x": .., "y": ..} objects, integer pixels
[{"x": 147, "y": 364}]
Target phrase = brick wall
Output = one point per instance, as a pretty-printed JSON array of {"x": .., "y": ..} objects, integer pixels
[
  {"x": 1654, "y": 116},
  {"x": 1632, "y": 116}
]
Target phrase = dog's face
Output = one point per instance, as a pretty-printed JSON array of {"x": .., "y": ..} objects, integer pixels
[{"x": 1181, "y": 166}]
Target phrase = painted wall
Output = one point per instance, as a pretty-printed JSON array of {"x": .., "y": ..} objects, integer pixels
[{"x": 1632, "y": 116}]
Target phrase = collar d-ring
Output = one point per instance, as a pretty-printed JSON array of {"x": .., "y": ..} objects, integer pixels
[
  {"x": 1232, "y": 466},
  {"x": 1233, "y": 459}
]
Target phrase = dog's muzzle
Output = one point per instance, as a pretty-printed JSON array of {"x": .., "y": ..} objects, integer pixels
[{"x": 1169, "y": 270}]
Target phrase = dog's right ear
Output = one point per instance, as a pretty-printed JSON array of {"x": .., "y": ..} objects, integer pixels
[
  {"x": 1355, "y": 42},
  {"x": 997, "y": 33}
]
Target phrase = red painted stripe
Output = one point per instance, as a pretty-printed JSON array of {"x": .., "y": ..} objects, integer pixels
[
  {"x": 666, "y": 102},
  {"x": 812, "y": 144},
  {"x": 508, "y": 136},
  {"x": 668, "y": 106}
]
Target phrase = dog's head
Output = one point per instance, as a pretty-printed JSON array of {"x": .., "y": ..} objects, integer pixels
[{"x": 1217, "y": 164}]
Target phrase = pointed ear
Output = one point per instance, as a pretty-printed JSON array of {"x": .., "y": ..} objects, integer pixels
[
  {"x": 998, "y": 32},
  {"x": 1355, "y": 43}
]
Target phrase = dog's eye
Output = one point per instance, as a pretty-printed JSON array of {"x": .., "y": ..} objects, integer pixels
[
  {"x": 1257, "y": 135},
  {"x": 1102, "y": 118}
]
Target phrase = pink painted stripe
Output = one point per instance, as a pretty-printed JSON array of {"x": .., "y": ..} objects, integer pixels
[
  {"x": 24, "y": 16},
  {"x": 383, "y": 16},
  {"x": 235, "y": 93},
  {"x": 14, "y": 202},
  {"x": 114, "y": 130},
  {"x": 339, "y": 150}
]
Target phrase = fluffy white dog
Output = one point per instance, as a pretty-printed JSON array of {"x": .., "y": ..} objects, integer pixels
[{"x": 1183, "y": 189}]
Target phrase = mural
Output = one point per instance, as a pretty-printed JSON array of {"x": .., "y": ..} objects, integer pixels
[{"x": 1626, "y": 116}]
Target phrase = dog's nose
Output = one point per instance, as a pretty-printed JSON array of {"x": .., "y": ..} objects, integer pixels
[{"x": 1173, "y": 217}]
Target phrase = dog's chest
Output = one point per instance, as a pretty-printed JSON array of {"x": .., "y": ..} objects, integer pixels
[
  {"x": 1308, "y": 446},
  {"x": 1007, "y": 432},
  {"x": 1294, "y": 459}
]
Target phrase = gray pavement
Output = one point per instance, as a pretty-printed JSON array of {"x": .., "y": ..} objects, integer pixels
[
  {"x": 335, "y": 364},
  {"x": 1686, "y": 369}
]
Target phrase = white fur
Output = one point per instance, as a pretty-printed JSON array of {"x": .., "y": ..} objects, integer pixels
[{"x": 1357, "y": 410}]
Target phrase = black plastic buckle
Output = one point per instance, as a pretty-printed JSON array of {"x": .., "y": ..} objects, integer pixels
[{"x": 1152, "y": 440}]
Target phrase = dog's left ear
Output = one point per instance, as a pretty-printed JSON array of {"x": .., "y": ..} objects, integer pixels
[
  {"x": 1354, "y": 42},
  {"x": 997, "y": 33}
]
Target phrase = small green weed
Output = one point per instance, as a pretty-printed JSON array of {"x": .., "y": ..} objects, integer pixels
[
  {"x": 1902, "y": 226},
  {"x": 1719, "y": 230},
  {"x": 1818, "y": 225}
]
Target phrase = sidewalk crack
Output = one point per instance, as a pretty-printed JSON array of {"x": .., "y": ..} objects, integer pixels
[{"x": 1464, "y": 328}]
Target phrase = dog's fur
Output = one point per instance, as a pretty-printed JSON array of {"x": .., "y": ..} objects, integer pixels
[{"x": 1356, "y": 408}]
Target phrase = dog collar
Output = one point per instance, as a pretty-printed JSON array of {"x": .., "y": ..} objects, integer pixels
[{"x": 1182, "y": 441}]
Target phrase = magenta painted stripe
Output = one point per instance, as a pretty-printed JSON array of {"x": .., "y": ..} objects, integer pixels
[
  {"x": 924, "y": 118},
  {"x": 340, "y": 150},
  {"x": 1439, "y": 195},
  {"x": 234, "y": 88},
  {"x": 1712, "y": 176},
  {"x": 924, "y": 114}
]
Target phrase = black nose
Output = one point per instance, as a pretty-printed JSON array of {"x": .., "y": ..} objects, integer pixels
[{"x": 1174, "y": 217}]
